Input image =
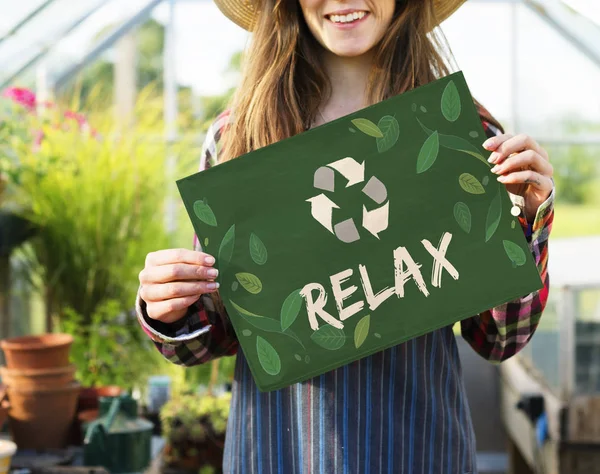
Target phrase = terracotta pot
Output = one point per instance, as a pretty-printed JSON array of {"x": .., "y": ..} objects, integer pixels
[
  {"x": 32, "y": 378},
  {"x": 89, "y": 396},
  {"x": 41, "y": 418},
  {"x": 37, "y": 352}
]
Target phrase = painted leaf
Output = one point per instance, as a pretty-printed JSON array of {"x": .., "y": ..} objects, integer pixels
[
  {"x": 251, "y": 283},
  {"x": 493, "y": 216},
  {"x": 515, "y": 253},
  {"x": 226, "y": 247},
  {"x": 329, "y": 337},
  {"x": 377, "y": 335},
  {"x": 268, "y": 356},
  {"x": 513, "y": 225},
  {"x": 451, "y": 102},
  {"x": 258, "y": 251},
  {"x": 453, "y": 142},
  {"x": 485, "y": 180},
  {"x": 423, "y": 109},
  {"x": 367, "y": 127},
  {"x": 265, "y": 324},
  {"x": 297, "y": 357},
  {"x": 290, "y": 309},
  {"x": 460, "y": 144},
  {"x": 351, "y": 129},
  {"x": 205, "y": 213},
  {"x": 429, "y": 152},
  {"x": 361, "y": 331},
  {"x": 206, "y": 242},
  {"x": 391, "y": 131},
  {"x": 470, "y": 184},
  {"x": 462, "y": 214},
  {"x": 247, "y": 332}
]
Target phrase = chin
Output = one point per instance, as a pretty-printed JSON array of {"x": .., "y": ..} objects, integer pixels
[{"x": 349, "y": 51}]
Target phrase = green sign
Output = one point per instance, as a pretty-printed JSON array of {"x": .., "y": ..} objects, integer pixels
[{"x": 360, "y": 234}]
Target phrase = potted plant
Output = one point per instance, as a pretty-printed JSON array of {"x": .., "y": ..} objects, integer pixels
[{"x": 194, "y": 430}]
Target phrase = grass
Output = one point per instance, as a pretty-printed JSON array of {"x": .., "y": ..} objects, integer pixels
[{"x": 576, "y": 220}]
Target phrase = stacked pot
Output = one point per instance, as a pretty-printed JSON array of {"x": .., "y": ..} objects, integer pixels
[{"x": 42, "y": 390}]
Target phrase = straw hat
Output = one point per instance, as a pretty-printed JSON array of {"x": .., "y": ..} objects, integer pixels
[{"x": 243, "y": 12}]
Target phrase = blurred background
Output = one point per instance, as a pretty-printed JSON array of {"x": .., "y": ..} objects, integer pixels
[{"x": 105, "y": 104}]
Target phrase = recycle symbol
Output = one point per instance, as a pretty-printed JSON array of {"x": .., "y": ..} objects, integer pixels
[{"x": 374, "y": 221}]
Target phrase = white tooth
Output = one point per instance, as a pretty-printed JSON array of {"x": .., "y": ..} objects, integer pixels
[
  {"x": 349, "y": 17},
  {"x": 355, "y": 15},
  {"x": 343, "y": 19},
  {"x": 334, "y": 18},
  {"x": 361, "y": 15}
]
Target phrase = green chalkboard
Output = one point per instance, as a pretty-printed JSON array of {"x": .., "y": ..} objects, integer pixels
[{"x": 360, "y": 234}]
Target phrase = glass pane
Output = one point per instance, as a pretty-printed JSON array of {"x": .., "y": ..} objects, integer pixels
[
  {"x": 587, "y": 342},
  {"x": 542, "y": 352}
]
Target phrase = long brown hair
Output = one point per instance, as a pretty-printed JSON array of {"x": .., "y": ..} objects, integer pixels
[{"x": 284, "y": 83}]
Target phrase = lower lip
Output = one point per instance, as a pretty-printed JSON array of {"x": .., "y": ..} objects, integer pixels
[{"x": 349, "y": 25}]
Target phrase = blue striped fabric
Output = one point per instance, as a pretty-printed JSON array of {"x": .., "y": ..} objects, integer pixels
[{"x": 403, "y": 410}]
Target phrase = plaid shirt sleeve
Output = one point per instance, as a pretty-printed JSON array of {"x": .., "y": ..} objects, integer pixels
[
  {"x": 501, "y": 332},
  {"x": 205, "y": 333}
]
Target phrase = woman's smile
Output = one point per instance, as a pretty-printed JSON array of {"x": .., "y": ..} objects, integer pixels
[{"x": 347, "y": 19}]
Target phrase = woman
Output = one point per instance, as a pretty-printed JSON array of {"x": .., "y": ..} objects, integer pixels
[{"x": 403, "y": 409}]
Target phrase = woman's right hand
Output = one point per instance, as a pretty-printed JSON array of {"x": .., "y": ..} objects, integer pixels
[{"x": 173, "y": 280}]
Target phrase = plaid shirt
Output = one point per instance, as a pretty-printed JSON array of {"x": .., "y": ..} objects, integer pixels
[{"x": 398, "y": 410}]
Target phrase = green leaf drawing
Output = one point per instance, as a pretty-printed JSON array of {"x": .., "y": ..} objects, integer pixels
[
  {"x": 470, "y": 184},
  {"x": 473, "y": 134},
  {"x": 451, "y": 102},
  {"x": 423, "y": 109},
  {"x": 234, "y": 286},
  {"x": 205, "y": 213},
  {"x": 258, "y": 251},
  {"x": 351, "y": 129},
  {"x": 515, "y": 253},
  {"x": 414, "y": 107},
  {"x": 265, "y": 324},
  {"x": 251, "y": 283},
  {"x": 361, "y": 331},
  {"x": 462, "y": 214},
  {"x": 391, "y": 131},
  {"x": 206, "y": 242},
  {"x": 377, "y": 335},
  {"x": 247, "y": 332},
  {"x": 307, "y": 359},
  {"x": 268, "y": 356},
  {"x": 290, "y": 309},
  {"x": 453, "y": 142},
  {"x": 513, "y": 225},
  {"x": 367, "y": 127},
  {"x": 329, "y": 337},
  {"x": 493, "y": 216},
  {"x": 429, "y": 153},
  {"x": 297, "y": 357},
  {"x": 485, "y": 180},
  {"x": 226, "y": 247}
]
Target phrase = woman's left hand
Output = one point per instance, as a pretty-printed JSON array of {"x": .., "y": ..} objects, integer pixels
[{"x": 524, "y": 167}]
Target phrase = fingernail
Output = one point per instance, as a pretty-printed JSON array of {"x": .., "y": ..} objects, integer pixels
[
  {"x": 492, "y": 157},
  {"x": 495, "y": 169},
  {"x": 212, "y": 285},
  {"x": 213, "y": 272},
  {"x": 501, "y": 178},
  {"x": 488, "y": 143},
  {"x": 209, "y": 260}
]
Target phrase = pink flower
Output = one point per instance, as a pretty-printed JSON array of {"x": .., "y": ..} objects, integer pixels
[
  {"x": 79, "y": 118},
  {"x": 21, "y": 96}
]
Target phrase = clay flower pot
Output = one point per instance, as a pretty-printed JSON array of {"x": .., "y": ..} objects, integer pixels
[
  {"x": 89, "y": 396},
  {"x": 41, "y": 418},
  {"x": 38, "y": 378},
  {"x": 37, "y": 352}
]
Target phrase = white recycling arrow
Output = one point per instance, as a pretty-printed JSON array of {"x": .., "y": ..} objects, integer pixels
[
  {"x": 350, "y": 169},
  {"x": 376, "y": 221},
  {"x": 322, "y": 210}
]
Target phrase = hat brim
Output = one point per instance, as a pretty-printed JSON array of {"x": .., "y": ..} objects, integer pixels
[{"x": 243, "y": 13}]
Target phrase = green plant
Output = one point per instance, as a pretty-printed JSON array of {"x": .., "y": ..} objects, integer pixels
[
  {"x": 194, "y": 429},
  {"x": 109, "y": 350},
  {"x": 98, "y": 202}
]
